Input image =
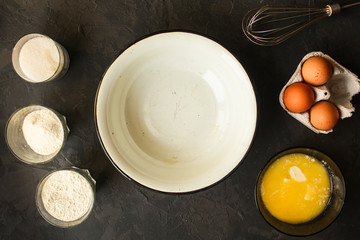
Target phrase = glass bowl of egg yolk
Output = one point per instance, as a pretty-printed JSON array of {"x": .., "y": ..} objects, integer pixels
[{"x": 300, "y": 191}]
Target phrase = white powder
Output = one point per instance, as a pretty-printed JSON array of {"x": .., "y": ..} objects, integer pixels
[
  {"x": 39, "y": 59},
  {"x": 43, "y": 132},
  {"x": 67, "y": 195}
]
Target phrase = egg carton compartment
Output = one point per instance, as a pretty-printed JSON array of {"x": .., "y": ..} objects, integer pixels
[{"x": 339, "y": 90}]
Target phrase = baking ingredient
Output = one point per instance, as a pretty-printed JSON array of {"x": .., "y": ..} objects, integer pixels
[
  {"x": 324, "y": 115},
  {"x": 316, "y": 71},
  {"x": 67, "y": 195},
  {"x": 298, "y": 97},
  {"x": 39, "y": 59},
  {"x": 43, "y": 132},
  {"x": 295, "y": 188}
]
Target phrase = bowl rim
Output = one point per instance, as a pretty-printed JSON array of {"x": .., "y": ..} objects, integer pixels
[{"x": 146, "y": 186}]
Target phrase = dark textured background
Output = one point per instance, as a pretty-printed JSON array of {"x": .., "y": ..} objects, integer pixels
[{"x": 95, "y": 33}]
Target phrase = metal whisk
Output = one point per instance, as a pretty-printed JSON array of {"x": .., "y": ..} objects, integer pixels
[{"x": 269, "y": 26}]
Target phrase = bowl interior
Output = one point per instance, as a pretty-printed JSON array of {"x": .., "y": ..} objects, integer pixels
[{"x": 176, "y": 112}]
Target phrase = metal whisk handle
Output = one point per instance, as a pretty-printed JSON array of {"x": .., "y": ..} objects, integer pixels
[
  {"x": 332, "y": 8},
  {"x": 350, "y": 5},
  {"x": 336, "y": 8}
]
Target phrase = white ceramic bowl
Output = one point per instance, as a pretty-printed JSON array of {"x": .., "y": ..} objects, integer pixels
[{"x": 176, "y": 112}]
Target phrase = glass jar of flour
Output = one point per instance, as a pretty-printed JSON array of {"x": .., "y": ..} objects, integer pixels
[
  {"x": 36, "y": 134},
  {"x": 37, "y": 58},
  {"x": 65, "y": 197}
]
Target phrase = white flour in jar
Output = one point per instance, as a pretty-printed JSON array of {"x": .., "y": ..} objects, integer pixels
[
  {"x": 43, "y": 132},
  {"x": 67, "y": 195},
  {"x": 39, "y": 59}
]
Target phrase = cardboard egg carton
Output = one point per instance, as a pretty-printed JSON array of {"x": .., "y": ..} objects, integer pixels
[{"x": 339, "y": 90}]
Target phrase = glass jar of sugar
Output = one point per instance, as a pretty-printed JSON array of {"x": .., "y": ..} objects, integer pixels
[
  {"x": 37, "y": 58},
  {"x": 65, "y": 197},
  {"x": 36, "y": 134}
]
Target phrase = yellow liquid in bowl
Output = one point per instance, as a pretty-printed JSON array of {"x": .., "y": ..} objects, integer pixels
[{"x": 295, "y": 188}]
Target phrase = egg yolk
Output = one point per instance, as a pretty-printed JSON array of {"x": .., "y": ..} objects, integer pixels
[
  {"x": 316, "y": 71},
  {"x": 295, "y": 188}
]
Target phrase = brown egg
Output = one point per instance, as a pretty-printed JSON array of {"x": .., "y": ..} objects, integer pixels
[
  {"x": 316, "y": 71},
  {"x": 324, "y": 115},
  {"x": 298, "y": 97}
]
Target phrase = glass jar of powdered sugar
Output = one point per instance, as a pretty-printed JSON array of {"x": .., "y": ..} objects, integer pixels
[
  {"x": 65, "y": 197},
  {"x": 37, "y": 58},
  {"x": 36, "y": 134}
]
